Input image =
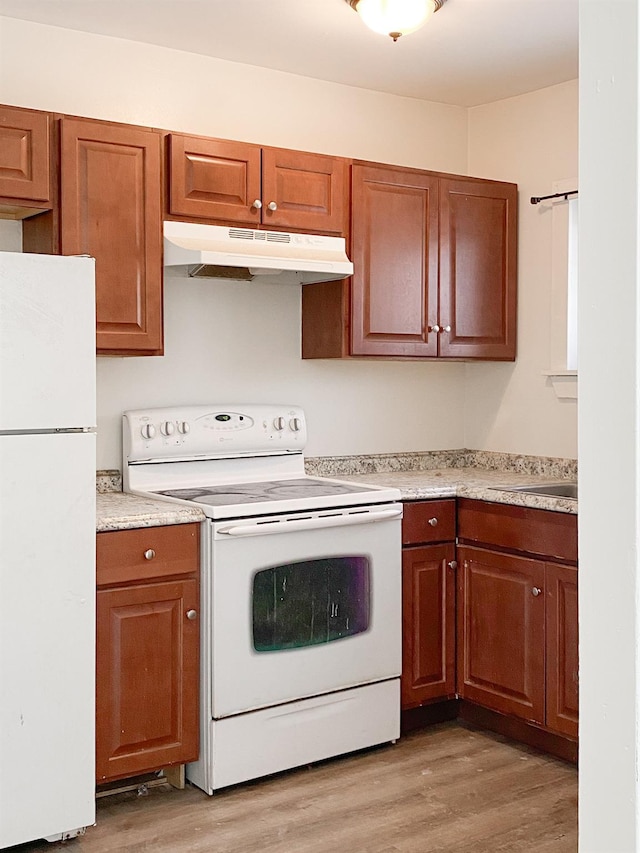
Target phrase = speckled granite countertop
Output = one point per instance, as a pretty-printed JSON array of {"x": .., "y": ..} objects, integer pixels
[
  {"x": 468, "y": 483},
  {"x": 419, "y": 476},
  {"x": 118, "y": 511}
]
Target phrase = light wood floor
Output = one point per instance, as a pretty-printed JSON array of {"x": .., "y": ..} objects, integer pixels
[{"x": 447, "y": 789}]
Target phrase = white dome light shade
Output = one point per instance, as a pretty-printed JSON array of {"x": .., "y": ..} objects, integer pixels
[{"x": 395, "y": 17}]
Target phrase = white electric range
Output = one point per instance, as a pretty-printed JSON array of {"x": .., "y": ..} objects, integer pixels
[{"x": 300, "y": 588}]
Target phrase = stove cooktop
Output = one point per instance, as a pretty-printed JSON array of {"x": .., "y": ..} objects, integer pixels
[
  {"x": 232, "y": 461},
  {"x": 250, "y": 493}
]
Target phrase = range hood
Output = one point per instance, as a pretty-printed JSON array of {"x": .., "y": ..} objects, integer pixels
[{"x": 241, "y": 254}]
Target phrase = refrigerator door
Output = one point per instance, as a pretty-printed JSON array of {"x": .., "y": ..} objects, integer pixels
[
  {"x": 47, "y": 342},
  {"x": 47, "y": 635}
]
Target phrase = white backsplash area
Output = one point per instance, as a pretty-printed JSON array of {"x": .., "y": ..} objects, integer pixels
[
  {"x": 240, "y": 342},
  {"x": 10, "y": 236}
]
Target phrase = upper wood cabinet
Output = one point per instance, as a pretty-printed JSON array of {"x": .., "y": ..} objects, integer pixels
[
  {"x": 478, "y": 269},
  {"x": 25, "y": 153},
  {"x": 110, "y": 208},
  {"x": 435, "y": 271},
  {"x": 239, "y": 183},
  {"x": 394, "y": 247},
  {"x": 310, "y": 191}
]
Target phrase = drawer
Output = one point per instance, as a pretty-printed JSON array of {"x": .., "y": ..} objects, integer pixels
[
  {"x": 170, "y": 550},
  {"x": 428, "y": 521},
  {"x": 538, "y": 532}
]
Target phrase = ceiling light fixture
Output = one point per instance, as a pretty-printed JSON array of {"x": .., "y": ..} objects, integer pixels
[{"x": 395, "y": 18}]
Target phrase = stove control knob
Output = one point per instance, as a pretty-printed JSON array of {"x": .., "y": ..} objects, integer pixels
[
  {"x": 183, "y": 427},
  {"x": 167, "y": 428},
  {"x": 148, "y": 431},
  {"x": 278, "y": 423},
  {"x": 294, "y": 424}
]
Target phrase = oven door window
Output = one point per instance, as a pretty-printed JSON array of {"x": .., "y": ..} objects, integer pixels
[{"x": 310, "y": 602}]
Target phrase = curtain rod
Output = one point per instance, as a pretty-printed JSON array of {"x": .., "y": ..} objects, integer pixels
[{"x": 536, "y": 199}]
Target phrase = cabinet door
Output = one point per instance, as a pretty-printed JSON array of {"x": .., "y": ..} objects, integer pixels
[
  {"x": 146, "y": 678},
  {"x": 428, "y": 624},
  {"x": 214, "y": 179},
  {"x": 395, "y": 255},
  {"x": 501, "y": 613},
  {"x": 308, "y": 190},
  {"x": 24, "y": 154},
  {"x": 562, "y": 649},
  {"x": 478, "y": 273},
  {"x": 111, "y": 210}
]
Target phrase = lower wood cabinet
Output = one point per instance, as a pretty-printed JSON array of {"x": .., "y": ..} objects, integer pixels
[
  {"x": 147, "y": 650},
  {"x": 501, "y": 616},
  {"x": 493, "y": 621},
  {"x": 518, "y": 613},
  {"x": 428, "y": 602},
  {"x": 562, "y": 649}
]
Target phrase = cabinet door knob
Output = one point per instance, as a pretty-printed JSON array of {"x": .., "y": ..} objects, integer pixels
[
  {"x": 446, "y": 328},
  {"x": 536, "y": 591},
  {"x": 272, "y": 205},
  {"x": 453, "y": 564},
  {"x": 257, "y": 204},
  {"x": 433, "y": 521},
  {"x": 435, "y": 328},
  {"x": 192, "y": 614},
  {"x": 149, "y": 554}
]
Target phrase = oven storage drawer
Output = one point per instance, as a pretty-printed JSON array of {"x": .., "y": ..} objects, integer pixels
[
  {"x": 148, "y": 552},
  {"x": 298, "y": 733}
]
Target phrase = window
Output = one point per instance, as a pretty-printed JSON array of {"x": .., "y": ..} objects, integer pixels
[
  {"x": 572, "y": 285},
  {"x": 563, "y": 339}
]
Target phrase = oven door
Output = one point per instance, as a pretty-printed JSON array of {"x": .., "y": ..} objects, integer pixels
[{"x": 302, "y": 605}]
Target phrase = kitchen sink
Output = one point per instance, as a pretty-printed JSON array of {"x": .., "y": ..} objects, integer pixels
[{"x": 565, "y": 489}]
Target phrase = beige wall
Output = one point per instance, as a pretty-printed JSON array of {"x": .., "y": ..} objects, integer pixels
[
  {"x": 531, "y": 140},
  {"x": 110, "y": 78},
  {"x": 235, "y": 343}
]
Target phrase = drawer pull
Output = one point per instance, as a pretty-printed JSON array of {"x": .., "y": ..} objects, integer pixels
[
  {"x": 433, "y": 521},
  {"x": 536, "y": 591},
  {"x": 192, "y": 614},
  {"x": 149, "y": 554}
]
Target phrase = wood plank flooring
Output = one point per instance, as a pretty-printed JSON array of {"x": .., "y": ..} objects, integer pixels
[{"x": 446, "y": 789}]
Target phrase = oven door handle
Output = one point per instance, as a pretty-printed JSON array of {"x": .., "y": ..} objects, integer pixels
[{"x": 315, "y": 523}]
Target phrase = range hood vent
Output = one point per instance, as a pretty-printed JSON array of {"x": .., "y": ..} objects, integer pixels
[{"x": 242, "y": 254}]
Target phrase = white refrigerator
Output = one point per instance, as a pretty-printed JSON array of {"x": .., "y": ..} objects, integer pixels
[{"x": 47, "y": 546}]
